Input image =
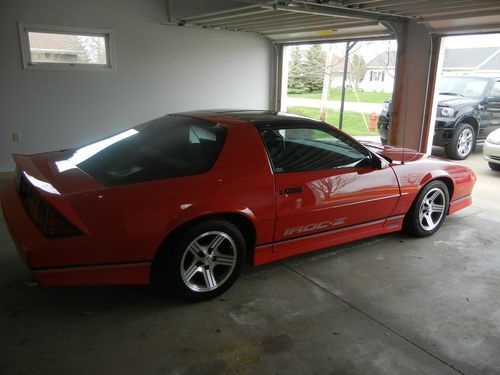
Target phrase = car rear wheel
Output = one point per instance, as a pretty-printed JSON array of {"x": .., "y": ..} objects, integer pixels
[
  {"x": 429, "y": 210},
  {"x": 203, "y": 261},
  {"x": 462, "y": 143},
  {"x": 494, "y": 166}
]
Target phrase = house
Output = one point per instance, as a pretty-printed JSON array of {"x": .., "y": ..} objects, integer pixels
[
  {"x": 481, "y": 61},
  {"x": 56, "y": 48},
  {"x": 379, "y": 74}
]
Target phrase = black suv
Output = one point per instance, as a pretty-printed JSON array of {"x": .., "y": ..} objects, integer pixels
[{"x": 468, "y": 110}]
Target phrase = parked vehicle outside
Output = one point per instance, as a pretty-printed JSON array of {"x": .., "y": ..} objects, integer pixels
[
  {"x": 491, "y": 150},
  {"x": 468, "y": 110}
]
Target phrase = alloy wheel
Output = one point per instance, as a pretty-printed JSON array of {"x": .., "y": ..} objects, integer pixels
[
  {"x": 208, "y": 261},
  {"x": 464, "y": 144},
  {"x": 432, "y": 209}
]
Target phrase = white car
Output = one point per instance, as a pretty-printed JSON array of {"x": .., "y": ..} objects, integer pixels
[{"x": 491, "y": 150}]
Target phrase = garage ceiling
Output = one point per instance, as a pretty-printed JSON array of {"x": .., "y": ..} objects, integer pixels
[{"x": 301, "y": 20}]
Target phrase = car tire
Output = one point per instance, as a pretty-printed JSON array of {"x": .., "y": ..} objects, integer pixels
[
  {"x": 494, "y": 166},
  {"x": 428, "y": 211},
  {"x": 462, "y": 143},
  {"x": 202, "y": 262}
]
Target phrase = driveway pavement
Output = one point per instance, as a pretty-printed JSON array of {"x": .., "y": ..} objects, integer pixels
[{"x": 487, "y": 189}]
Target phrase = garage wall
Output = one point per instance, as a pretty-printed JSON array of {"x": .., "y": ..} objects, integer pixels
[{"x": 160, "y": 69}]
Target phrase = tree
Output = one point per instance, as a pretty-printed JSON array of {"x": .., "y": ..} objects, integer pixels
[
  {"x": 315, "y": 60},
  {"x": 297, "y": 73},
  {"x": 356, "y": 71},
  {"x": 306, "y": 70},
  {"x": 94, "y": 47}
]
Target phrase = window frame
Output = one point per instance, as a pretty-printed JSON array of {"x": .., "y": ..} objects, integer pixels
[
  {"x": 325, "y": 128},
  {"x": 25, "y": 28}
]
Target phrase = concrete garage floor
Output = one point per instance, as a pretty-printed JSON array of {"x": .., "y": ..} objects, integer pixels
[{"x": 386, "y": 305}]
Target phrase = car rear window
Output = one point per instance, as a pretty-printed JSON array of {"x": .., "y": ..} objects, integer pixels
[{"x": 167, "y": 147}]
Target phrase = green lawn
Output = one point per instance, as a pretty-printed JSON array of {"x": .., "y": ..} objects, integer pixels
[
  {"x": 352, "y": 124},
  {"x": 335, "y": 94}
]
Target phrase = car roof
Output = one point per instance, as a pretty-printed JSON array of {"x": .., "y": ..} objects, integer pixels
[{"x": 266, "y": 118}]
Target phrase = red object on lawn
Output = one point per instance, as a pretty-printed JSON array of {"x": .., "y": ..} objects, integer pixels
[{"x": 373, "y": 121}]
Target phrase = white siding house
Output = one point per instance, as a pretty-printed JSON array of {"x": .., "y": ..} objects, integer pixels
[{"x": 483, "y": 61}]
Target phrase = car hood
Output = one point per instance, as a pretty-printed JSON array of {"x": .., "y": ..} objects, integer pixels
[
  {"x": 455, "y": 101},
  {"x": 445, "y": 101}
]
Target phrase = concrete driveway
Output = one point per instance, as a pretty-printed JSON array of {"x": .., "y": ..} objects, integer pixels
[
  {"x": 387, "y": 305},
  {"x": 487, "y": 189}
]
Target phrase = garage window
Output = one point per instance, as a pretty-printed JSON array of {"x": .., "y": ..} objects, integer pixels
[{"x": 55, "y": 47}]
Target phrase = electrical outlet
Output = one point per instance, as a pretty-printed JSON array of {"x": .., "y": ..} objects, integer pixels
[{"x": 16, "y": 137}]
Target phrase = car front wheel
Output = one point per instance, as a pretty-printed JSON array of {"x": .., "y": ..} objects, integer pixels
[
  {"x": 429, "y": 210},
  {"x": 462, "y": 143},
  {"x": 203, "y": 261}
]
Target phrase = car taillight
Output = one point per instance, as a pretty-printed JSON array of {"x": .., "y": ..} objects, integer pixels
[{"x": 50, "y": 221}]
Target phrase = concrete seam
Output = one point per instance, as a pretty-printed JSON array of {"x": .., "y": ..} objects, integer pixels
[{"x": 300, "y": 274}]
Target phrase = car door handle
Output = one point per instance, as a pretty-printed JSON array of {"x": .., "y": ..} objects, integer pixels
[{"x": 292, "y": 190}]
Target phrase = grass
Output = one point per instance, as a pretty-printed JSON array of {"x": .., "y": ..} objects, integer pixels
[
  {"x": 352, "y": 123},
  {"x": 335, "y": 94}
]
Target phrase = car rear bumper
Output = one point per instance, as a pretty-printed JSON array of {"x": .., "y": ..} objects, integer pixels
[{"x": 51, "y": 260}]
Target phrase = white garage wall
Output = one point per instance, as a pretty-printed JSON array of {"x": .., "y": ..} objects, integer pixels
[{"x": 160, "y": 69}]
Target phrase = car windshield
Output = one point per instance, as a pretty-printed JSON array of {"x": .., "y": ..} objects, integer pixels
[
  {"x": 170, "y": 146},
  {"x": 470, "y": 87}
]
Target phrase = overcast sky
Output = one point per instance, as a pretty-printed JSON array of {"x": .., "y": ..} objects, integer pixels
[
  {"x": 368, "y": 50},
  {"x": 483, "y": 40}
]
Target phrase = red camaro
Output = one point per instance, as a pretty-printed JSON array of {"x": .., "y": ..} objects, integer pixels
[{"x": 187, "y": 198}]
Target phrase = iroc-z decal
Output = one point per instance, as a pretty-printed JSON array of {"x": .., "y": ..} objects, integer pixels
[{"x": 315, "y": 226}]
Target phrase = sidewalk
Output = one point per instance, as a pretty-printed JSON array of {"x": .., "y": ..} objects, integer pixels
[{"x": 335, "y": 104}]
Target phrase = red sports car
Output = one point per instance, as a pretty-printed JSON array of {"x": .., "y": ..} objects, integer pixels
[{"x": 187, "y": 199}]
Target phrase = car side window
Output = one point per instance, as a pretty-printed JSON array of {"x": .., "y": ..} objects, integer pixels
[
  {"x": 495, "y": 91},
  {"x": 311, "y": 149}
]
